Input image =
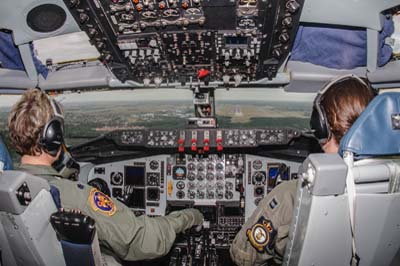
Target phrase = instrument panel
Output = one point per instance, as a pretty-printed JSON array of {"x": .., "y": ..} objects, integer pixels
[
  {"x": 226, "y": 188},
  {"x": 205, "y": 140},
  {"x": 188, "y": 42},
  {"x": 210, "y": 169},
  {"x": 155, "y": 184}
]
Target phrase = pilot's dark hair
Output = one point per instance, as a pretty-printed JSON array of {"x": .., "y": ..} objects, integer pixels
[
  {"x": 27, "y": 121},
  {"x": 343, "y": 103}
]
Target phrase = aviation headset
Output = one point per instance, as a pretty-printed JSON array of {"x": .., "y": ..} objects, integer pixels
[
  {"x": 319, "y": 122},
  {"x": 52, "y": 136}
]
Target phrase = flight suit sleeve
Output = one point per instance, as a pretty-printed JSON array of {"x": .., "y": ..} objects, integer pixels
[
  {"x": 264, "y": 234},
  {"x": 119, "y": 230}
]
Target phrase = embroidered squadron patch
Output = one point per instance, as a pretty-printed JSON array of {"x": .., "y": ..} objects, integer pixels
[
  {"x": 262, "y": 236},
  {"x": 102, "y": 203}
]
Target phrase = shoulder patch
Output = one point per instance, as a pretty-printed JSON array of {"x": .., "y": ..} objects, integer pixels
[
  {"x": 80, "y": 186},
  {"x": 262, "y": 236},
  {"x": 102, "y": 203},
  {"x": 273, "y": 203}
]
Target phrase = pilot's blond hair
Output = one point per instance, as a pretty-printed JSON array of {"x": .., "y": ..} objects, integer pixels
[{"x": 27, "y": 120}]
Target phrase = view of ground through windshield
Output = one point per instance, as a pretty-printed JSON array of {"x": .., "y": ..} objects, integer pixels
[{"x": 91, "y": 119}]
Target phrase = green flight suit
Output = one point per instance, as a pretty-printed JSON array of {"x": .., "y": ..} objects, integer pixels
[
  {"x": 120, "y": 231},
  {"x": 264, "y": 235}
]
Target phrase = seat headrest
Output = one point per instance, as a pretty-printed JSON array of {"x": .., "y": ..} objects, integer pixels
[{"x": 377, "y": 131}]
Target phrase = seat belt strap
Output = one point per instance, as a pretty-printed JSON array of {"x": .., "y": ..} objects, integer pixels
[{"x": 351, "y": 193}]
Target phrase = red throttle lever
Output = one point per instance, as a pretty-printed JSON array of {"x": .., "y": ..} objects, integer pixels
[
  {"x": 194, "y": 145},
  {"x": 220, "y": 147},
  {"x": 206, "y": 145},
  {"x": 181, "y": 145}
]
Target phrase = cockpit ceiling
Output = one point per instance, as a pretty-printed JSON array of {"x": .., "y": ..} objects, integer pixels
[{"x": 177, "y": 46}]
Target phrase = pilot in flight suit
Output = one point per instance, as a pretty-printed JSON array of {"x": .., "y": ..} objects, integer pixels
[
  {"x": 264, "y": 234},
  {"x": 119, "y": 230},
  {"x": 262, "y": 239}
]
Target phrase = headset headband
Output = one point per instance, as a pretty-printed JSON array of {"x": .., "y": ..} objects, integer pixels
[
  {"x": 57, "y": 110},
  {"x": 337, "y": 79}
]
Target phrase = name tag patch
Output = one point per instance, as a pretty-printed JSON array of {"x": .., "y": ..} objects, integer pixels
[
  {"x": 102, "y": 203},
  {"x": 262, "y": 236}
]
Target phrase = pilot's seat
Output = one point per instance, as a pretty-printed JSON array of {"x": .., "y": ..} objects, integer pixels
[
  {"x": 27, "y": 204},
  {"x": 358, "y": 193}
]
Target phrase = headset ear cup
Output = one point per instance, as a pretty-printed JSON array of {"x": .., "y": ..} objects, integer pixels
[
  {"x": 53, "y": 136},
  {"x": 324, "y": 124},
  {"x": 318, "y": 123}
]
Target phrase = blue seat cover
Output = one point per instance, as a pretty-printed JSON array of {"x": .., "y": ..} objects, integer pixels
[
  {"x": 374, "y": 133},
  {"x": 5, "y": 157}
]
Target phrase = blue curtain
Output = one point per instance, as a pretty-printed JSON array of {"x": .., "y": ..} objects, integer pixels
[
  {"x": 10, "y": 57},
  {"x": 339, "y": 48}
]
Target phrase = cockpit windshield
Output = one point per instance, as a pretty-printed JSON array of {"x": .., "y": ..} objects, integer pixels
[{"x": 91, "y": 114}]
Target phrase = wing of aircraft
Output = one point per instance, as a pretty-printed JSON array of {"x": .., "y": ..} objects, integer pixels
[{"x": 196, "y": 103}]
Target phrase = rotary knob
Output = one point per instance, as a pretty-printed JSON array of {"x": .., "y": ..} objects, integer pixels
[
  {"x": 258, "y": 178},
  {"x": 257, "y": 164},
  {"x": 180, "y": 194},
  {"x": 210, "y": 176},
  {"x": 220, "y": 194},
  {"x": 116, "y": 178},
  {"x": 200, "y": 194},
  {"x": 284, "y": 37},
  {"x": 191, "y": 167},
  {"x": 229, "y": 186},
  {"x": 288, "y": 22},
  {"x": 220, "y": 176},
  {"x": 200, "y": 167},
  {"x": 210, "y": 194},
  {"x": 277, "y": 53},
  {"x": 200, "y": 177},
  {"x": 201, "y": 185},
  {"x": 220, "y": 166},
  {"x": 83, "y": 18},
  {"x": 191, "y": 194},
  {"x": 92, "y": 32},
  {"x": 153, "y": 165},
  {"x": 191, "y": 176},
  {"x": 180, "y": 185},
  {"x": 259, "y": 191},
  {"x": 73, "y": 3},
  {"x": 228, "y": 195},
  {"x": 191, "y": 185},
  {"x": 272, "y": 139},
  {"x": 292, "y": 6}
]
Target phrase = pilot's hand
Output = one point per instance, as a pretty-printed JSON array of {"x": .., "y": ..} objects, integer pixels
[{"x": 196, "y": 215}]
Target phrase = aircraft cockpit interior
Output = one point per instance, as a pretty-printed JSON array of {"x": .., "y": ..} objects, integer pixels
[{"x": 205, "y": 104}]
